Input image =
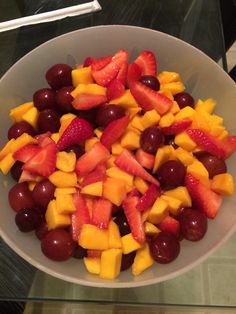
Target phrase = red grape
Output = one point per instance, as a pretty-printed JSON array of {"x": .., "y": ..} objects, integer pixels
[
  {"x": 28, "y": 219},
  {"x": 109, "y": 113},
  {"x": 43, "y": 193},
  {"x": 171, "y": 174},
  {"x": 64, "y": 99},
  {"x": 20, "y": 197},
  {"x": 122, "y": 223},
  {"x": 127, "y": 260},
  {"x": 150, "y": 81},
  {"x": 58, "y": 245},
  {"x": 48, "y": 120},
  {"x": 184, "y": 99},
  {"x": 79, "y": 252},
  {"x": 18, "y": 128},
  {"x": 41, "y": 230},
  {"x": 44, "y": 99},
  {"x": 59, "y": 75},
  {"x": 213, "y": 164},
  {"x": 89, "y": 115},
  {"x": 164, "y": 247},
  {"x": 16, "y": 170},
  {"x": 151, "y": 139},
  {"x": 77, "y": 149}
]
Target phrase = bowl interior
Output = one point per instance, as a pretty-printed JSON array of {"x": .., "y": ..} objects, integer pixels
[{"x": 202, "y": 77}]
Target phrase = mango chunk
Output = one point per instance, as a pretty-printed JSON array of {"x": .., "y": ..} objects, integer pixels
[
  {"x": 94, "y": 189},
  {"x": 150, "y": 229},
  {"x": 185, "y": 157},
  {"x": 94, "y": 238},
  {"x": 116, "y": 149},
  {"x": 132, "y": 111},
  {"x": 186, "y": 112},
  {"x": 64, "y": 191},
  {"x": 6, "y": 149},
  {"x": 174, "y": 108},
  {"x": 31, "y": 185},
  {"x": 114, "y": 237},
  {"x": 141, "y": 185},
  {"x": 54, "y": 219},
  {"x": 142, "y": 260},
  {"x": 115, "y": 172},
  {"x": 55, "y": 137},
  {"x": 114, "y": 190},
  {"x": 129, "y": 244},
  {"x": 92, "y": 264},
  {"x": 6, "y": 163},
  {"x": 173, "y": 87},
  {"x": 21, "y": 141},
  {"x": 66, "y": 161},
  {"x": 130, "y": 140},
  {"x": 93, "y": 89},
  {"x": 65, "y": 204},
  {"x": 126, "y": 100},
  {"x": 66, "y": 120},
  {"x": 174, "y": 204},
  {"x": 163, "y": 154},
  {"x": 158, "y": 211},
  {"x": 200, "y": 122},
  {"x": 17, "y": 112},
  {"x": 63, "y": 179},
  {"x": 197, "y": 169},
  {"x": 98, "y": 132},
  {"x": 207, "y": 105},
  {"x": 168, "y": 77},
  {"x": 31, "y": 116},
  {"x": 137, "y": 123},
  {"x": 223, "y": 184},
  {"x": 89, "y": 143},
  {"x": 82, "y": 76},
  {"x": 150, "y": 118},
  {"x": 111, "y": 161},
  {"x": 180, "y": 193},
  {"x": 183, "y": 140},
  {"x": 166, "y": 120},
  {"x": 110, "y": 263}
]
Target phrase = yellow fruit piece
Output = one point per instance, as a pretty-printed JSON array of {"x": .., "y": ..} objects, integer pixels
[
  {"x": 150, "y": 229},
  {"x": 114, "y": 190},
  {"x": 199, "y": 121},
  {"x": 116, "y": 149},
  {"x": 198, "y": 170},
  {"x": 216, "y": 130},
  {"x": 92, "y": 264},
  {"x": 81, "y": 76},
  {"x": 115, "y": 172},
  {"x": 31, "y": 185},
  {"x": 223, "y": 135},
  {"x": 174, "y": 204},
  {"x": 163, "y": 154},
  {"x": 167, "y": 93},
  {"x": 54, "y": 219},
  {"x": 207, "y": 105},
  {"x": 132, "y": 111},
  {"x": 89, "y": 143},
  {"x": 223, "y": 184},
  {"x": 110, "y": 162},
  {"x": 93, "y": 89},
  {"x": 93, "y": 189},
  {"x": 173, "y": 87},
  {"x": 31, "y": 116},
  {"x": 130, "y": 140},
  {"x": 65, "y": 122},
  {"x": 184, "y": 156},
  {"x": 180, "y": 193},
  {"x": 67, "y": 116},
  {"x": 214, "y": 119},
  {"x": 114, "y": 237},
  {"x": 6, "y": 148},
  {"x": 144, "y": 215},
  {"x": 64, "y": 191},
  {"x": 142, "y": 260},
  {"x": 13, "y": 146},
  {"x": 6, "y": 163},
  {"x": 17, "y": 112},
  {"x": 63, "y": 179},
  {"x": 110, "y": 263},
  {"x": 98, "y": 132},
  {"x": 55, "y": 137},
  {"x": 168, "y": 77},
  {"x": 137, "y": 123},
  {"x": 174, "y": 108},
  {"x": 185, "y": 113},
  {"x": 65, "y": 204},
  {"x": 150, "y": 118},
  {"x": 166, "y": 120},
  {"x": 184, "y": 141},
  {"x": 66, "y": 161},
  {"x": 158, "y": 211},
  {"x": 129, "y": 244},
  {"x": 94, "y": 238},
  {"x": 126, "y": 100},
  {"x": 141, "y": 185}
]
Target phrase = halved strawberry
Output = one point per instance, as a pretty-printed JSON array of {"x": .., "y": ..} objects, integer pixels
[
  {"x": 145, "y": 159},
  {"x": 101, "y": 214},
  {"x": 115, "y": 89},
  {"x": 147, "y": 63},
  {"x": 26, "y": 152},
  {"x": 43, "y": 162},
  {"x": 203, "y": 198},
  {"x": 80, "y": 216},
  {"x": 40, "y": 137},
  {"x": 88, "y": 161},
  {"x": 100, "y": 63},
  {"x": 134, "y": 73},
  {"x": 171, "y": 225},
  {"x": 77, "y": 131},
  {"x": 134, "y": 219},
  {"x": 148, "y": 198},
  {"x": 177, "y": 127},
  {"x": 122, "y": 74},
  {"x": 114, "y": 130},
  {"x": 88, "y": 61},
  {"x": 88, "y": 101},
  {"x": 98, "y": 174},
  {"x": 150, "y": 99},
  {"x": 127, "y": 162},
  {"x": 105, "y": 75}
]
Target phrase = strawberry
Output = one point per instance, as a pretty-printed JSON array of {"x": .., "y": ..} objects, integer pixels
[
  {"x": 127, "y": 162},
  {"x": 145, "y": 159},
  {"x": 105, "y": 75},
  {"x": 100, "y": 63},
  {"x": 26, "y": 152},
  {"x": 114, "y": 130},
  {"x": 133, "y": 74},
  {"x": 98, "y": 174},
  {"x": 134, "y": 218},
  {"x": 177, "y": 127},
  {"x": 147, "y": 63},
  {"x": 80, "y": 216},
  {"x": 43, "y": 162},
  {"x": 150, "y": 99},
  {"x": 94, "y": 253},
  {"x": 88, "y": 161},
  {"x": 40, "y": 137},
  {"x": 88, "y": 61},
  {"x": 115, "y": 89},
  {"x": 122, "y": 74},
  {"x": 171, "y": 225},
  {"x": 77, "y": 131},
  {"x": 148, "y": 198},
  {"x": 88, "y": 101},
  {"x": 101, "y": 214},
  {"x": 203, "y": 198}
]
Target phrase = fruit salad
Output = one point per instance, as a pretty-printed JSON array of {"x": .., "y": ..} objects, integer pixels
[{"x": 116, "y": 163}]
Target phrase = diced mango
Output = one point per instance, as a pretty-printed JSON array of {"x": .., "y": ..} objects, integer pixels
[
  {"x": 144, "y": 215},
  {"x": 132, "y": 111},
  {"x": 142, "y": 260},
  {"x": 89, "y": 143},
  {"x": 173, "y": 204},
  {"x": 137, "y": 123},
  {"x": 200, "y": 122},
  {"x": 141, "y": 185},
  {"x": 21, "y": 141},
  {"x": 98, "y": 132},
  {"x": 150, "y": 118},
  {"x": 6, "y": 163},
  {"x": 93, "y": 89},
  {"x": 92, "y": 264},
  {"x": 180, "y": 193},
  {"x": 173, "y": 87},
  {"x": 166, "y": 120},
  {"x": 116, "y": 149},
  {"x": 130, "y": 140},
  {"x": 168, "y": 77},
  {"x": 163, "y": 154},
  {"x": 6, "y": 148},
  {"x": 31, "y": 116},
  {"x": 126, "y": 100},
  {"x": 64, "y": 191},
  {"x": 207, "y": 105},
  {"x": 214, "y": 119},
  {"x": 216, "y": 130},
  {"x": 63, "y": 179},
  {"x": 198, "y": 170},
  {"x": 175, "y": 107},
  {"x": 184, "y": 156},
  {"x": 54, "y": 219},
  {"x": 110, "y": 263},
  {"x": 114, "y": 190},
  {"x": 66, "y": 161},
  {"x": 114, "y": 237},
  {"x": 17, "y": 112},
  {"x": 223, "y": 135},
  {"x": 167, "y": 93},
  {"x": 82, "y": 76},
  {"x": 92, "y": 237},
  {"x": 150, "y": 229},
  {"x": 183, "y": 140},
  {"x": 65, "y": 204},
  {"x": 115, "y": 172},
  {"x": 31, "y": 185},
  {"x": 111, "y": 161},
  {"x": 55, "y": 137},
  {"x": 94, "y": 189},
  {"x": 185, "y": 113},
  {"x": 66, "y": 120},
  {"x": 67, "y": 116},
  {"x": 129, "y": 244},
  {"x": 223, "y": 184},
  {"x": 158, "y": 211}
]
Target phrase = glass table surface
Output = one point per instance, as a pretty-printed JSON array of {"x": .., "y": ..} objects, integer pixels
[{"x": 198, "y": 22}]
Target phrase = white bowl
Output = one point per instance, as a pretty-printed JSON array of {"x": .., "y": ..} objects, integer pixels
[{"x": 203, "y": 78}]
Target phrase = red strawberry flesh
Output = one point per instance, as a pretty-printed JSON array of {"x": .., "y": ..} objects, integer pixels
[
  {"x": 100, "y": 63},
  {"x": 146, "y": 160},
  {"x": 148, "y": 198},
  {"x": 88, "y": 101},
  {"x": 115, "y": 89},
  {"x": 171, "y": 225},
  {"x": 147, "y": 63},
  {"x": 101, "y": 214},
  {"x": 26, "y": 152},
  {"x": 98, "y": 174},
  {"x": 177, "y": 127},
  {"x": 133, "y": 74}
]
